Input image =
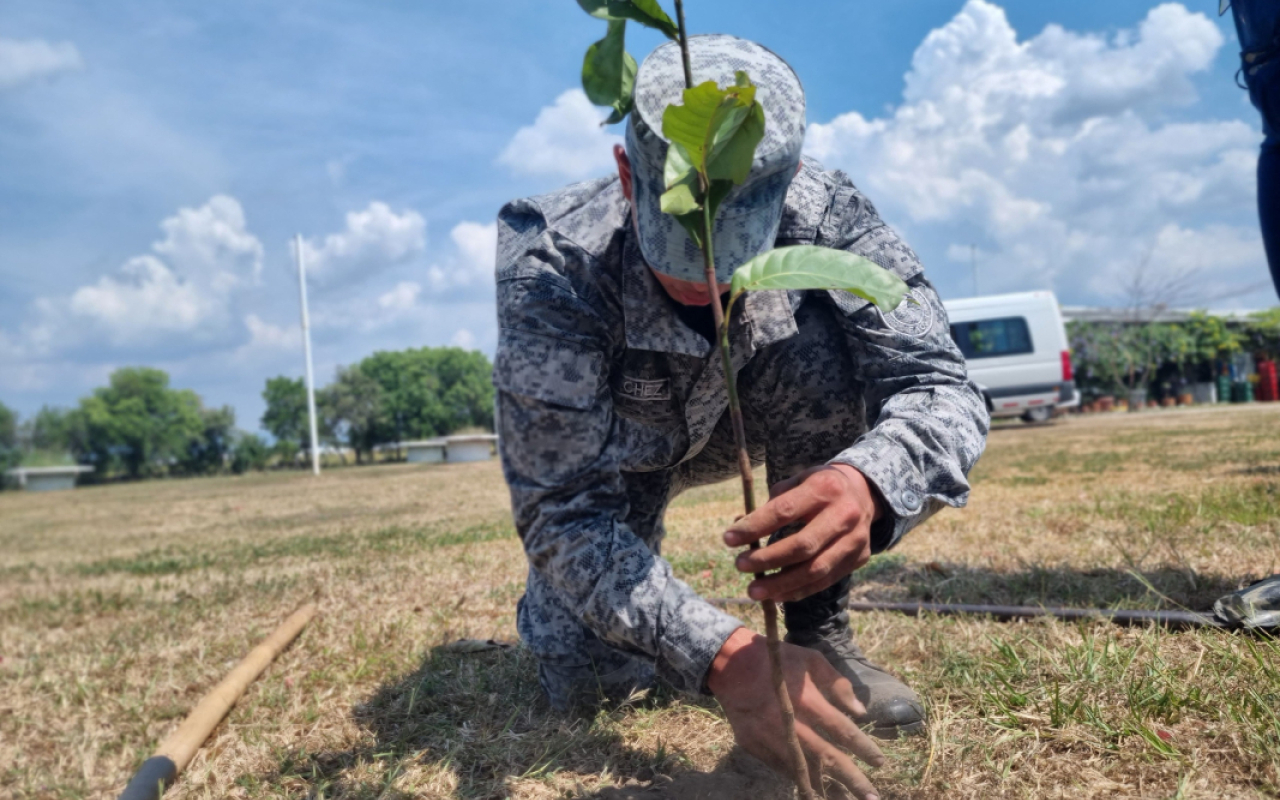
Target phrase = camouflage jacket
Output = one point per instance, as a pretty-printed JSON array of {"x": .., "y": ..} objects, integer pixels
[{"x": 575, "y": 301}]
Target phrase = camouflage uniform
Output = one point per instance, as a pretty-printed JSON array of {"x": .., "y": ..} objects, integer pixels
[{"x": 609, "y": 405}]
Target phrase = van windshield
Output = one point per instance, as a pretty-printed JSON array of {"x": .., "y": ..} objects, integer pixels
[{"x": 988, "y": 338}]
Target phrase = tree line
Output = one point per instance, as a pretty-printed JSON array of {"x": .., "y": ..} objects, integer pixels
[
  {"x": 387, "y": 398},
  {"x": 139, "y": 426},
  {"x": 1112, "y": 358}
]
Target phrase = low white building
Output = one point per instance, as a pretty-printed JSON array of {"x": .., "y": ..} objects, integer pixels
[
  {"x": 47, "y": 479},
  {"x": 472, "y": 447},
  {"x": 427, "y": 451}
]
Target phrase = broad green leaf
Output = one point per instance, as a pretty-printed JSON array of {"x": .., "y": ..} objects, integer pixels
[
  {"x": 648, "y": 13},
  {"x": 645, "y": 12},
  {"x": 718, "y": 128},
  {"x": 716, "y": 194},
  {"x": 732, "y": 159},
  {"x": 680, "y": 199},
  {"x": 692, "y": 223},
  {"x": 810, "y": 267},
  {"x": 596, "y": 8},
  {"x": 689, "y": 125},
  {"x": 678, "y": 167},
  {"x": 609, "y": 72}
]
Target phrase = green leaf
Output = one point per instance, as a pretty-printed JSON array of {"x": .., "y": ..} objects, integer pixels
[
  {"x": 596, "y": 8},
  {"x": 646, "y": 12},
  {"x": 689, "y": 125},
  {"x": 678, "y": 167},
  {"x": 716, "y": 194},
  {"x": 718, "y": 128},
  {"x": 609, "y": 73},
  {"x": 810, "y": 267},
  {"x": 680, "y": 199},
  {"x": 692, "y": 223},
  {"x": 732, "y": 159}
]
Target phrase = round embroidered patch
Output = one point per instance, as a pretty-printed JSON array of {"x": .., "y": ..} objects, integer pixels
[{"x": 911, "y": 318}]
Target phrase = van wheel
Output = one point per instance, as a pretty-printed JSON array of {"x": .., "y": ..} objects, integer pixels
[{"x": 1038, "y": 414}]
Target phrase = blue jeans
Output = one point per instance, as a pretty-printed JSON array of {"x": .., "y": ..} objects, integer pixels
[{"x": 1258, "y": 26}]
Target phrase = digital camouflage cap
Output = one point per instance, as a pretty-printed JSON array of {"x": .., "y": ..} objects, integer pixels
[{"x": 747, "y": 223}]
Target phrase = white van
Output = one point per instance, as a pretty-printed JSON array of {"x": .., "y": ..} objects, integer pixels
[{"x": 1017, "y": 352}]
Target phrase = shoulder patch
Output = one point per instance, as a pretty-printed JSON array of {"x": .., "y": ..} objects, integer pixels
[{"x": 914, "y": 317}]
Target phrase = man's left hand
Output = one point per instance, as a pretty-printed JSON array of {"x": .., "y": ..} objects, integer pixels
[{"x": 837, "y": 507}]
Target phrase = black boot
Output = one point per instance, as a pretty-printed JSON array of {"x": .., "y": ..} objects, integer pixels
[{"x": 821, "y": 623}]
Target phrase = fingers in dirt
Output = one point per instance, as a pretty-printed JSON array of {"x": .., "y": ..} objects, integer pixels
[{"x": 824, "y": 756}]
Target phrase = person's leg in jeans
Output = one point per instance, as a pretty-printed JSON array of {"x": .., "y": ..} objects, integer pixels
[{"x": 1258, "y": 27}]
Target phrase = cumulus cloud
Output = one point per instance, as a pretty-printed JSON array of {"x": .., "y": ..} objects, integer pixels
[
  {"x": 463, "y": 338},
  {"x": 472, "y": 266},
  {"x": 565, "y": 141},
  {"x": 267, "y": 336},
  {"x": 24, "y": 61},
  {"x": 401, "y": 298},
  {"x": 1056, "y": 155},
  {"x": 185, "y": 287},
  {"x": 374, "y": 239}
]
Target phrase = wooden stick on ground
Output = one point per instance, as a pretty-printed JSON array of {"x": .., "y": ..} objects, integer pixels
[{"x": 175, "y": 753}]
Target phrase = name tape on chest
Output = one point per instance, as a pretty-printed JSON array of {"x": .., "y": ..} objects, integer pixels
[{"x": 638, "y": 389}]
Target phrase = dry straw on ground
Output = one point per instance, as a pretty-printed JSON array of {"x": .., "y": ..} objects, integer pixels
[{"x": 121, "y": 605}]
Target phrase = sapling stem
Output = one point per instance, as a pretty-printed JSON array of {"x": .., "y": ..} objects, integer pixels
[{"x": 799, "y": 766}]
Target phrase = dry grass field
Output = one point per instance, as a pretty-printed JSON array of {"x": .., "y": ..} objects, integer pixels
[{"x": 121, "y": 605}]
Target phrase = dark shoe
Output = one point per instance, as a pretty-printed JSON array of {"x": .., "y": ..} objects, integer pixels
[
  {"x": 1257, "y": 606},
  {"x": 892, "y": 708}
]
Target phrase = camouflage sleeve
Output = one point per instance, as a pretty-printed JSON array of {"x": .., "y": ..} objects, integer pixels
[
  {"x": 561, "y": 461},
  {"x": 927, "y": 421}
]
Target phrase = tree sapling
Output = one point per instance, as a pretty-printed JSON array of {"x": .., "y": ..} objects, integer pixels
[{"x": 712, "y": 139}]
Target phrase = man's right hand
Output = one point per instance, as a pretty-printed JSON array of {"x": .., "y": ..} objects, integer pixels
[{"x": 740, "y": 679}]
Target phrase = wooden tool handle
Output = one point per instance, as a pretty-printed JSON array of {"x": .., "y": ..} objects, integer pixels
[{"x": 176, "y": 752}]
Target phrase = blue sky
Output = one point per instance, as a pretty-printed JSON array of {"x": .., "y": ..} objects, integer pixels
[{"x": 157, "y": 157}]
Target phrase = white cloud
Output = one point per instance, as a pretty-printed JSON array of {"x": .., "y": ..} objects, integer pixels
[
  {"x": 473, "y": 264},
  {"x": 30, "y": 60},
  {"x": 267, "y": 336},
  {"x": 212, "y": 243},
  {"x": 1055, "y": 155},
  {"x": 464, "y": 339},
  {"x": 565, "y": 141},
  {"x": 145, "y": 297},
  {"x": 401, "y": 298},
  {"x": 374, "y": 239},
  {"x": 186, "y": 287}
]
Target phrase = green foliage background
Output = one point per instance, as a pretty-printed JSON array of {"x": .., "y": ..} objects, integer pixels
[
  {"x": 1111, "y": 358},
  {"x": 138, "y": 426}
]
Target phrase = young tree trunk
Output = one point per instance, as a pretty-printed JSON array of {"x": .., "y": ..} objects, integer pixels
[{"x": 799, "y": 767}]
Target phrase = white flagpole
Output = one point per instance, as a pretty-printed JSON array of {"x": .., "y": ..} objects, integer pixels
[{"x": 306, "y": 347}]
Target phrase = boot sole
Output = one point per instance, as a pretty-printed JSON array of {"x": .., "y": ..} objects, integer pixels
[{"x": 891, "y": 732}]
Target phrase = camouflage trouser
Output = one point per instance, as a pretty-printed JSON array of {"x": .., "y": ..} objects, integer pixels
[{"x": 792, "y": 423}]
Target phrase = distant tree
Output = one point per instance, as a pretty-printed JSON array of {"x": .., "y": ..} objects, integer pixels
[
  {"x": 209, "y": 453},
  {"x": 286, "y": 414},
  {"x": 8, "y": 428},
  {"x": 9, "y": 452},
  {"x": 411, "y": 392},
  {"x": 249, "y": 452},
  {"x": 468, "y": 396},
  {"x": 352, "y": 408},
  {"x": 1263, "y": 333},
  {"x": 137, "y": 424},
  {"x": 53, "y": 429},
  {"x": 286, "y": 452},
  {"x": 430, "y": 391}
]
